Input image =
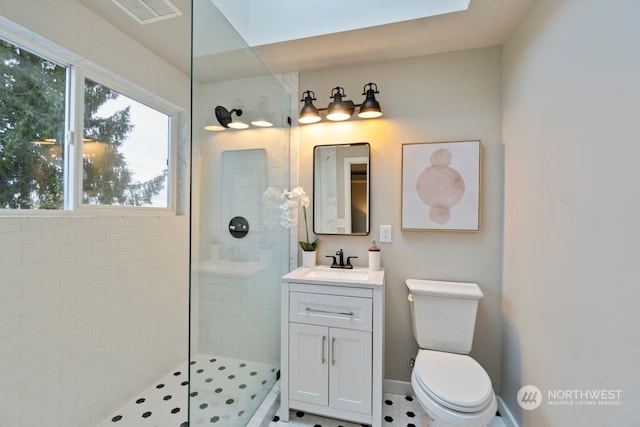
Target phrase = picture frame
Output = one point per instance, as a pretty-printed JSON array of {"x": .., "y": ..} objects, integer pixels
[{"x": 441, "y": 186}]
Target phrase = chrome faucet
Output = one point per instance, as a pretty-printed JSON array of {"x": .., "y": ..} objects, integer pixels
[{"x": 341, "y": 263}]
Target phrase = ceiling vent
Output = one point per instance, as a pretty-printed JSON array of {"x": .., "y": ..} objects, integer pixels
[{"x": 147, "y": 11}]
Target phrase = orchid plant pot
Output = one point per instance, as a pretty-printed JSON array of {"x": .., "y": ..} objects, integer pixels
[{"x": 309, "y": 258}]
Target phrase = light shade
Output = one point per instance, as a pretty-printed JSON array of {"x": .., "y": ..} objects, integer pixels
[
  {"x": 214, "y": 128},
  {"x": 262, "y": 115},
  {"x": 339, "y": 110},
  {"x": 211, "y": 124},
  {"x": 309, "y": 113},
  {"x": 238, "y": 125},
  {"x": 370, "y": 108},
  {"x": 261, "y": 123},
  {"x": 224, "y": 118},
  {"x": 46, "y": 141}
]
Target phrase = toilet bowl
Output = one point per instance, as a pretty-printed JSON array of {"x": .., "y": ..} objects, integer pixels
[
  {"x": 453, "y": 389},
  {"x": 450, "y": 386}
]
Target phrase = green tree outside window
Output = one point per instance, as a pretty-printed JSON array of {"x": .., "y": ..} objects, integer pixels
[{"x": 32, "y": 127}]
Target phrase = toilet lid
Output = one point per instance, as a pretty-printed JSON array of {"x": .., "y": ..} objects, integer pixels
[{"x": 455, "y": 381}]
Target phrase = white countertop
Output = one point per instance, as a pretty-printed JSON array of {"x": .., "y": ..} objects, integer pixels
[{"x": 325, "y": 275}]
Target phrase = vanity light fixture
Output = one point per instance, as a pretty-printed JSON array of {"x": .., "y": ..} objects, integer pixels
[
  {"x": 370, "y": 108},
  {"x": 262, "y": 117},
  {"x": 262, "y": 123},
  {"x": 309, "y": 113},
  {"x": 224, "y": 118},
  {"x": 341, "y": 109},
  {"x": 45, "y": 141},
  {"x": 226, "y": 121},
  {"x": 212, "y": 124}
]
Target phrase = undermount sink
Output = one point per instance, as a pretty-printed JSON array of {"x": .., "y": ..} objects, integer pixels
[{"x": 341, "y": 274}]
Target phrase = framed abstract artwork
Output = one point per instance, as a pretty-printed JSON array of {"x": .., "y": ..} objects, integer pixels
[{"x": 441, "y": 186}]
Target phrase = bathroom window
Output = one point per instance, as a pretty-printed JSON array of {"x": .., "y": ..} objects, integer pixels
[
  {"x": 32, "y": 128},
  {"x": 117, "y": 155},
  {"x": 125, "y": 150}
]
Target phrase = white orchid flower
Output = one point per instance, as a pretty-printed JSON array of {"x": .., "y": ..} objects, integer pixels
[{"x": 289, "y": 201}]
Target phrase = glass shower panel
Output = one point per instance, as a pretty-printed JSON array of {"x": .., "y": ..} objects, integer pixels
[{"x": 239, "y": 251}]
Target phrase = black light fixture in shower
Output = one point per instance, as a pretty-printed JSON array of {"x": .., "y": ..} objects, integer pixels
[
  {"x": 224, "y": 118},
  {"x": 262, "y": 115},
  {"x": 341, "y": 109}
]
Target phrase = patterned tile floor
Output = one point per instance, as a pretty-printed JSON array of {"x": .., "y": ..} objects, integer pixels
[
  {"x": 226, "y": 392},
  {"x": 223, "y": 392},
  {"x": 398, "y": 411}
]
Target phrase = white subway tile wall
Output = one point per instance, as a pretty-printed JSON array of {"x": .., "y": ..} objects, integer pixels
[
  {"x": 92, "y": 311},
  {"x": 238, "y": 313}
]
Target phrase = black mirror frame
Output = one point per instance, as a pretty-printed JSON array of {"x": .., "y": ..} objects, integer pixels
[{"x": 315, "y": 193}]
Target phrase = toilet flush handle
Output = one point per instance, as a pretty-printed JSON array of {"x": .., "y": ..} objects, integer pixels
[{"x": 411, "y": 298}]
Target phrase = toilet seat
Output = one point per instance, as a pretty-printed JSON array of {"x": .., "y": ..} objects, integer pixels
[{"x": 455, "y": 381}]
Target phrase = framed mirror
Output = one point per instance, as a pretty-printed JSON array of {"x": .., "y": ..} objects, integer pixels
[{"x": 341, "y": 176}]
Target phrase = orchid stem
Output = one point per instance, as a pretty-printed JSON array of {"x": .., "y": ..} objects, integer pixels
[{"x": 306, "y": 227}]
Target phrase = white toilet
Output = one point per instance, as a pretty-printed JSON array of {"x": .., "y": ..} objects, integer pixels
[{"x": 452, "y": 388}]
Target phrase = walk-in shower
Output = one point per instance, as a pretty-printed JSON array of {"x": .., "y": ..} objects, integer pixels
[{"x": 239, "y": 251}]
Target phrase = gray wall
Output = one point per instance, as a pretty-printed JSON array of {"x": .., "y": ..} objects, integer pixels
[
  {"x": 445, "y": 97},
  {"x": 571, "y": 209}
]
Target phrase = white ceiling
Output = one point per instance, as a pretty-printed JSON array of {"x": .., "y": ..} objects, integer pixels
[
  {"x": 259, "y": 21},
  {"x": 484, "y": 23}
]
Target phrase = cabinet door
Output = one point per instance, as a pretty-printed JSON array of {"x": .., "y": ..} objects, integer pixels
[
  {"x": 350, "y": 370},
  {"x": 308, "y": 363}
]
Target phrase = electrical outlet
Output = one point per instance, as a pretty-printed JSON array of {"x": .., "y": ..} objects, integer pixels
[{"x": 385, "y": 234}]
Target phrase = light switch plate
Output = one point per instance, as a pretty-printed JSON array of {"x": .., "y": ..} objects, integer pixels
[{"x": 385, "y": 234}]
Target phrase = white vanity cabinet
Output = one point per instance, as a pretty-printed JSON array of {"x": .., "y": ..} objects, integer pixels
[{"x": 332, "y": 346}]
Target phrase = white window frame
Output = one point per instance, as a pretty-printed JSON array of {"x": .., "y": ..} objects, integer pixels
[
  {"x": 77, "y": 70},
  {"x": 78, "y": 76}
]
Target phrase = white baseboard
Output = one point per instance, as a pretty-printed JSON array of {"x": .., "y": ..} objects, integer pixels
[
  {"x": 507, "y": 416},
  {"x": 397, "y": 387}
]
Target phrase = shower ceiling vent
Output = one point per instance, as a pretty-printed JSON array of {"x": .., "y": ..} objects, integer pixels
[{"x": 147, "y": 11}]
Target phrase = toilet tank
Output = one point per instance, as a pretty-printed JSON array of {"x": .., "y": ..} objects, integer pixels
[{"x": 443, "y": 314}]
